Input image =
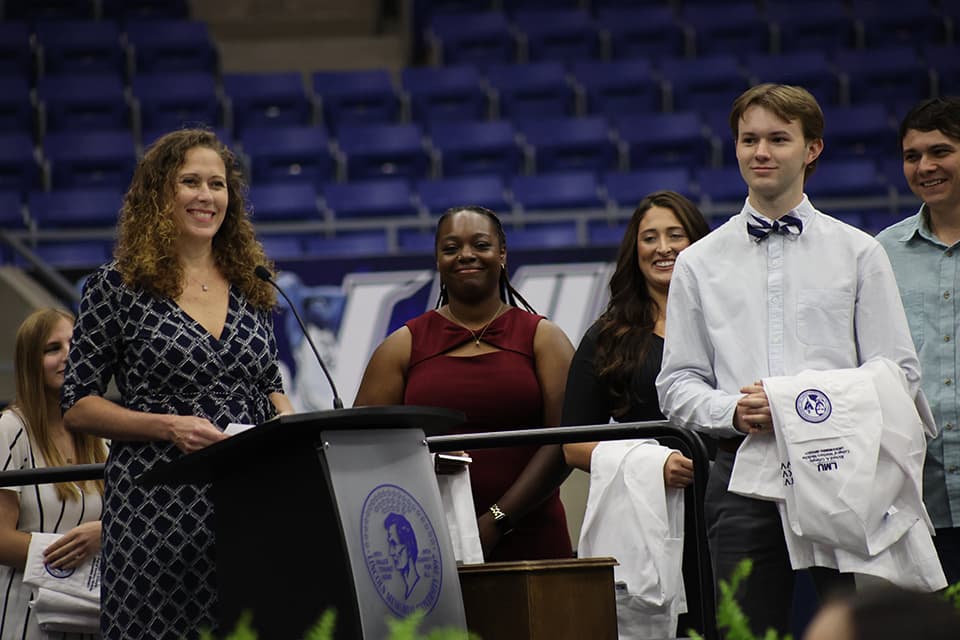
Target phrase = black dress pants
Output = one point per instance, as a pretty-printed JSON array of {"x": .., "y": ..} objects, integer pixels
[{"x": 739, "y": 528}]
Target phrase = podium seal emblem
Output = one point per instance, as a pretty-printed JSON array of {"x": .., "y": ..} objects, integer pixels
[
  {"x": 814, "y": 406},
  {"x": 401, "y": 550}
]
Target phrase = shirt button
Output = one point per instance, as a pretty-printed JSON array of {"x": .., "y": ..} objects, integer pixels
[
  {"x": 946, "y": 295},
  {"x": 948, "y": 382},
  {"x": 946, "y": 338},
  {"x": 954, "y": 469},
  {"x": 950, "y": 253},
  {"x": 948, "y": 426}
]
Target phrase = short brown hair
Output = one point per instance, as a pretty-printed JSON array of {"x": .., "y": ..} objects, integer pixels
[{"x": 788, "y": 103}]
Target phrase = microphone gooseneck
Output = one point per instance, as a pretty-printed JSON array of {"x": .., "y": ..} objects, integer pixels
[{"x": 264, "y": 274}]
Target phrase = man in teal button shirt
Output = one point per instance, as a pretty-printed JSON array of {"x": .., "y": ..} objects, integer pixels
[{"x": 925, "y": 252}]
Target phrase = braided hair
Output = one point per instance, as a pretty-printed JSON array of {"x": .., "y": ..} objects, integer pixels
[{"x": 507, "y": 293}]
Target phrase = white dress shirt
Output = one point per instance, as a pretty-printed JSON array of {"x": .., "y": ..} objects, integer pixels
[{"x": 740, "y": 310}]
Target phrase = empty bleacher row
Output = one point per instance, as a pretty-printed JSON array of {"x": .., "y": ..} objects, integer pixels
[{"x": 336, "y": 152}]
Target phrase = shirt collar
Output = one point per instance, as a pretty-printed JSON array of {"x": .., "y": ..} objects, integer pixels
[{"x": 919, "y": 227}]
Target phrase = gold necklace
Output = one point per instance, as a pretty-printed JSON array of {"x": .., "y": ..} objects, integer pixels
[{"x": 476, "y": 337}]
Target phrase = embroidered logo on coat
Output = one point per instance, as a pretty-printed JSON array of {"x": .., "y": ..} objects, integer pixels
[
  {"x": 813, "y": 405},
  {"x": 56, "y": 572}
]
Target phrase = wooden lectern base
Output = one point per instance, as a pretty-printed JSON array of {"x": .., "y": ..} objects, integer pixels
[{"x": 541, "y": 599}]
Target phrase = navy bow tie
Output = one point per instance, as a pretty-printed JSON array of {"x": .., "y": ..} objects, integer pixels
[{"x": 759, "y": 228}]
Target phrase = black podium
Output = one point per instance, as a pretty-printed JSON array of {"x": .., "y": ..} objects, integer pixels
[{"x": 329, "y": 509}]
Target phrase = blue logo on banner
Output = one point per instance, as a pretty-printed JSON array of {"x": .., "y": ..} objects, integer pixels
[
  {"x": 813, "y": 405},
  {"x": 401, "y": 549}
]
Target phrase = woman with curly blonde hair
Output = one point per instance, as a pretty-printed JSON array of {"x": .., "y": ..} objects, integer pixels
[
  {"x": 32, "y": 436},
  {"x": 182, "y": 324}
]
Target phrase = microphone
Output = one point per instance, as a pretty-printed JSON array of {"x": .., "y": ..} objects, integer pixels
[{"x": 264, "y": 274}]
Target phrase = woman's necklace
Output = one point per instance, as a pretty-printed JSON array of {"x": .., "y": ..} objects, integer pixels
[{"x": 476, "y": 337}]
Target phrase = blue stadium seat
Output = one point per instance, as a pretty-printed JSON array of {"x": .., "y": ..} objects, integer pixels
[
  {"x": 721, "y": 136},
  {"x": 627, "y": 188},
  {"x": 515, "y": 6},
  {"x": 724, "y": 185},
  {"x": 35, "y": 10},
  {"x": 481, "y": 37},
  {"x": 567, "y": 35},
  {"x": 437, "y": 196},
  {"x": 883, "y": 75},
  {"x": 467, "y": 148},
  {"x": 283, "y": 202},
  {"x": 570, "y": 144},
  {"x": 641, "y": 32},
  {"x": 416, "y": 240},
  {"x": 71, "y": 254},
  {"x": 533, "y": 90},
  {"x": 887, "y": 24},
  {"x": 171, "y": 45},
  {"x": 346, "y": 243},
  {"x": 865, "y": 130},
  {"x": 295, "y": 154},
  {"x": 16, "y": 56},
  {"x": 551, "y": 235},
  {"x": 605, "y": 232},
  {"x": 727, "y": 26},
  {"x": 820, "y": 25},
  {"x": 356, "y": 97},
  {"x": 561, "y": 190},
  {"x": 16, "y": 108},
  {"x": 149, "y": 136},
  {"x": 267, "y": 100},
  {"x": 891, "y": 169},
  {"x": 621, "y": 87},
  {"x": 81, "y": 207},
  {"x": 876, "y": 221},
  {"x": 702, "y": 83},
  {"x": 80, "y": 46},
  {"x": 11, "y": 210},
  {"x": 662, "y": 139},
  {"x": 83, "y": 102},
  {"x": 944, "y": 63},
  {"x": 850, "y": 178},
  {"x": 371, "y": 198},
  {"x": 383, "y": 150},
  {"x": 282, "y": 246},
  {"x": 808, "y": 69},
  {"x": 172, "y": 100},
  {"x": 445, "y": 93},
  {"x": 89, "y": 158},
  {"x": 19, "y": 170},
  {"x": 125, "y": 10}
]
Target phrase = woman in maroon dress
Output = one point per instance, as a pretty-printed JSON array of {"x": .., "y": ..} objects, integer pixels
[{"x": 504, "y": 367}]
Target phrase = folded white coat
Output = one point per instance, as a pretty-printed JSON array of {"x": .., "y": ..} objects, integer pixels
[
  {"x": 457, "y": 498},
  {"x": 59, "y": 612},
  {"x": 634, "y": 518},
  {"x": 845, "y": 467},
  {"x": 82, "y": 582}
]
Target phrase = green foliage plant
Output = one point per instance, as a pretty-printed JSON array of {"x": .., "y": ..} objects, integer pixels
[
  {"x": 729, "y": 614},
  {"x": 400, "y": 629}
]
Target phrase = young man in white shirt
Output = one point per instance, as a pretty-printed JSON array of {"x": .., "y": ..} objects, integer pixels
[
  {"x": 777, "y": 289},
  {"x": 925, "y": 252}
]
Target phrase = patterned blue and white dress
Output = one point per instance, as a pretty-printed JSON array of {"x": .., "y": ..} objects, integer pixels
[{"x": 159, "y": 578}]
